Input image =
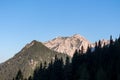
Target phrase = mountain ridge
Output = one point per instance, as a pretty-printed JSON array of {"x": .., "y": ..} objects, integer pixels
[
  {"x": 69, "y": 44},
  {"x": 27, "y": 60},
  {"x": 37, "y": 52}
]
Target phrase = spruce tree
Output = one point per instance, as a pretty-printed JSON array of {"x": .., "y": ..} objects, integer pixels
[{"x": 19, "y": 75}]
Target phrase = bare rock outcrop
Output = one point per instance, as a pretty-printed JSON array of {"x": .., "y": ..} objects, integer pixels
[{"x": 68, "y": 45}]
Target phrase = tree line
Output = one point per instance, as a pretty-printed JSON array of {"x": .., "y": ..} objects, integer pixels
[{"x": 98, "y": 63}]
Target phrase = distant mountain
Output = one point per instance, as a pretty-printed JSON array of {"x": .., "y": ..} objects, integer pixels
[
  {"x": 103, "y": 42},
  {"x": 68, "y": 45},
  {"x": 27, "y": 59}
]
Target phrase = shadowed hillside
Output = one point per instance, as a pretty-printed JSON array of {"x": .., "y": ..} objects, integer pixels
[{"x": 26, "y": 60}]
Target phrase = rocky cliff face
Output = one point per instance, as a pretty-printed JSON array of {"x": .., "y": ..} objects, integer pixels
[{"x": 68, "y": 45}]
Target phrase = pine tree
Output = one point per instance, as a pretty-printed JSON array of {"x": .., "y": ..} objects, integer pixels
[
  {"x": 101, "y": 75},
  {"x": 30, "y": 78},
  {"x": 19, "y": 75},
  {"x": 67, "y": 69},
  {"x": 82, "y": 73}
]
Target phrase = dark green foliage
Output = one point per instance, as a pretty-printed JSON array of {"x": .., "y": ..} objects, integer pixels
[
  {"x": 67, "y": 69},
  {"x": 19, "y": 75},
  {"x": 100, "y": 75},
  {"x": 53, "y": 72},
  {"x": 30, "y": 78},
  {"x": 82, "y": 73}
]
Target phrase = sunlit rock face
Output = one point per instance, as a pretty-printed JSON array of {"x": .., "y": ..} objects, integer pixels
[{"x": 68, "y": 45}]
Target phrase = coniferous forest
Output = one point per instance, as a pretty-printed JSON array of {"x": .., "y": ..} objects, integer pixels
[{"x": 100, "y": 63}]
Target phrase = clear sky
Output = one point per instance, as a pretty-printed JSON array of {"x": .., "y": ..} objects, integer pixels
[{"x": 22, "y": 21}]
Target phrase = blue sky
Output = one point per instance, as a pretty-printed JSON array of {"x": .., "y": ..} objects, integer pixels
[{"x": 22, "y": 21}]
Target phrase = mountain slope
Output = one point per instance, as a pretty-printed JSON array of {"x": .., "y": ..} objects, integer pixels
[
  {"x": 68, "y": 45},
  {"x": 26, "y": 60}
]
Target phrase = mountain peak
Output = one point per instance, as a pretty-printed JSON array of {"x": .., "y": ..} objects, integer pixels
[
  {"x": 34, "y": 41},
  {"x": 67, "y": 45},
  {"x": 27, "y": 60},
  {"x": 76, "y": 35},
  {"x": 31, "y": 44}
]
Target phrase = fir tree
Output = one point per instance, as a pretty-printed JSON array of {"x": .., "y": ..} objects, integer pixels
[{"x": 19, "y": 75}]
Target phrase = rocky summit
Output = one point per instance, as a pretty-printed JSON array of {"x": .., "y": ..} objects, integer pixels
[{"x": 68, "y": 45}]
